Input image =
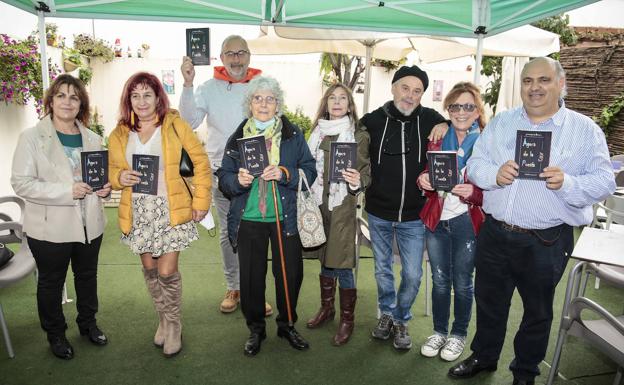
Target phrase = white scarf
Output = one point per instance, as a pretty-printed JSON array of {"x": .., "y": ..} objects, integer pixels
[{"x": 344, "y": 128}]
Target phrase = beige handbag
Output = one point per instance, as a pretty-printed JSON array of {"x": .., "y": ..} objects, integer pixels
[{"x": 309, "y": 218}]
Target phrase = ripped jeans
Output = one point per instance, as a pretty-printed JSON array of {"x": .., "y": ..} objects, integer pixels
[{"x": 451, "y": 249}]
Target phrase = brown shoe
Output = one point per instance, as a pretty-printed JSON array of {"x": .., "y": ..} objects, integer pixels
[
  {"x": 347, "y": 315},
  {"x": 230, "y": 301},
  {"x": 268, "y": 310},
  {"x": 327, "y": 311}
]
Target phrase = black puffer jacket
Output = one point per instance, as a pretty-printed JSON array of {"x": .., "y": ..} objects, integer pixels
[{"x": 397, "y": 151}]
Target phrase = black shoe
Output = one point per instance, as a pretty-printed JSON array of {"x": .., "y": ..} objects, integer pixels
[
  {"x": 61, "y": 347},
  {"x": 293, "y": 337},
  {"x": 252, "y": 346},
  {"x": 470, "y": 367},
  {"x": 95, "y": 335},
  {"x": 523, "y": 382}
]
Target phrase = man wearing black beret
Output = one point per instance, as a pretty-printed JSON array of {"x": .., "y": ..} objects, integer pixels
[{"x": 396, "y": 137}]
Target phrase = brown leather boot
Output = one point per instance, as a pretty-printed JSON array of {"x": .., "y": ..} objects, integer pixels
[
  {"x": 327, "y": 310},
  {"x": 172, "y": 292},
  {"x": 153, "y": 287},
  {"x": 347, "y": 315}
]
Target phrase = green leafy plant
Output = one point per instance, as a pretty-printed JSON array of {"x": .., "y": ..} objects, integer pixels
[
  {"x": 20, "y": 71},
  {"x": 608, "y": 114},
  {"x": 493, "y": 67},
  {"x": 72, "y": 55},
  {"x": 300, "y": 119},
  {"x": 85, "y": 74},
  {"x": 94, "y": 124},
  {"x": 88, "y": 46}
]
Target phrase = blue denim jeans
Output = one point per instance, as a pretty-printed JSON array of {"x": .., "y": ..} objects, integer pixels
[
  {"x": 410, "y": 238},
  {"x": 451, "y": 249},
  {"x": 345, "y": 276}
]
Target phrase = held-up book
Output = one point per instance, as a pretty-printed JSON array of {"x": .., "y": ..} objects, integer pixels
[
  {"x": 198, "y": 45},
  {"x": 253, "y": 153},
  {"x": 532, "y": 153},
  {"x": 147, "y": 165},
  {"x": 94, "y": 168},
  {"x": 443, "y": 173},
  {"x": 342, "y": 156}
]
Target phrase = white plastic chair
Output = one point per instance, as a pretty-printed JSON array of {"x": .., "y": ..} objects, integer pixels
[{"x": 20, "y": 266}]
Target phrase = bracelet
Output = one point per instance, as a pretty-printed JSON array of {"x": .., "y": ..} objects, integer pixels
[{"x": 285, "y": 171}]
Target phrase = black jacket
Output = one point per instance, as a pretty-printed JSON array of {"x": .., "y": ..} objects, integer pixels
[{"x": 397, "y": 151}]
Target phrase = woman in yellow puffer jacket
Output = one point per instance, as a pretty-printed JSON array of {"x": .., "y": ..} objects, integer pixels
[{"x": 158, "y": 227}]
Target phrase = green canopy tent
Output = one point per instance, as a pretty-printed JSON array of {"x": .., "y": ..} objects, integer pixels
[{"x": 456, "y": 18}]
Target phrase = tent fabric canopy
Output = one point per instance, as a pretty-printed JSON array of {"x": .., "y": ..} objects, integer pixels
[
  {"x": 522, "y": 41},
  {"x": 457, "y": 18}
]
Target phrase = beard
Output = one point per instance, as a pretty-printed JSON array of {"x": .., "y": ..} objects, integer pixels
[{"x": 404, "y": 111}]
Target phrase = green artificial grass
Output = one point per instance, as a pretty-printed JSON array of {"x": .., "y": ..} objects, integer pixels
[{"x": 213, "y": 342}]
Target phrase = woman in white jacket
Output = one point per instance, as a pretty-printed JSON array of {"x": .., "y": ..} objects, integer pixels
[{"x": 64, "y": 220}]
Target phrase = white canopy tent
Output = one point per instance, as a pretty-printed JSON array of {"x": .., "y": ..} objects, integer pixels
[{"x": 522, "y": 41}]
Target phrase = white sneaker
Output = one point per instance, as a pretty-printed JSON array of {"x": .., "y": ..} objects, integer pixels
[
  {"x": 453, "y": 349},
  {"x": 432, "y": 346}
]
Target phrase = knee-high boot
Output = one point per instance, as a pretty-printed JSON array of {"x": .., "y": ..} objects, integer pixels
[
  {"x": 327, "y": 310},
  {"x": 153, "y": 287},
  {"x": 347, "y": 316},
  {"x": 171, "y": 286}
]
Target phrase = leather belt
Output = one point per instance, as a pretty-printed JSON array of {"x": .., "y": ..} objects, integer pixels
[{"x": 508, "y": 227}]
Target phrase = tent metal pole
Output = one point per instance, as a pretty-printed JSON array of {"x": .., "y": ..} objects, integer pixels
[
  {"x": 42, "y": 48},
  {"x": 477, "y": 67},
  {"x": 367, "y": 77}
]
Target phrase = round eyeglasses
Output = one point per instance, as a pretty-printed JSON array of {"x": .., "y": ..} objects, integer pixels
[{"x": 258, "y": 99}]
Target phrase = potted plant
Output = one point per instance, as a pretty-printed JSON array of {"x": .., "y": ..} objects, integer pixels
[
  {"x": 52, "y": 34},
  {"x": 85, "y": 74},
  {"x": 71, "y": 59},
  {"x": 88, "y": 46},
  {"x": 20, "y": 71}
]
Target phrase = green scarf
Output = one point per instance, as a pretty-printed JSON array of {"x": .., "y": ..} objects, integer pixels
[{"x": 273, "y": 138}]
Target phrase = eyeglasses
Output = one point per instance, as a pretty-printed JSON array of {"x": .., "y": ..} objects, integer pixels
[
  {"x": 231, "y": 54},
  {"x": 468, "y": 107},
  {"x": 257, "y": 99}
]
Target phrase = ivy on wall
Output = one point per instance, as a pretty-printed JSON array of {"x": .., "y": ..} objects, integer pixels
[{"x": 608, "y": 114}]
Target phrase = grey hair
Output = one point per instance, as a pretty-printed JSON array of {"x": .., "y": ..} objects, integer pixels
[
  {"x": 263, "y": 83},
  {"x": 233, "y": 37},
  {"x": 559, "y": 71}
]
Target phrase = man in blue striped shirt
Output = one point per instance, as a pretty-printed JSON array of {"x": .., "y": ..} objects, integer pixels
[{"x": 527, "y": 237}]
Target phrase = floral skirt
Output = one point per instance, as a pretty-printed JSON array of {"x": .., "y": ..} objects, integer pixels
[{"x": 151, "y": 231}]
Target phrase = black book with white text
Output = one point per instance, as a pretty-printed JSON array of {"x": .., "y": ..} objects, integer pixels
[
  {"x": 532, "y": 153},
  {"x": 147, "y": 165},
  {"x": 443, "y": 172},
  {"x": 253, "y": 154}
]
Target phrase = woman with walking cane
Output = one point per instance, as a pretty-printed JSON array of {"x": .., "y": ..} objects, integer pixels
[{"x": 264, "y": 208}]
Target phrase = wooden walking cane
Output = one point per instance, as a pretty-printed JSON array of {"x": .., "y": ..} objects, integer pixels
[{"x": 281, "y": 250}]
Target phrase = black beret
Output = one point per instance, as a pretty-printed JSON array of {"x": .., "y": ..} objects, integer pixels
[{"x": 412, "y": 71}]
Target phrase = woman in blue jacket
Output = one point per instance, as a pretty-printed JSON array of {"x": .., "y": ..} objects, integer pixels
[{"x": 252, "y": 219}]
